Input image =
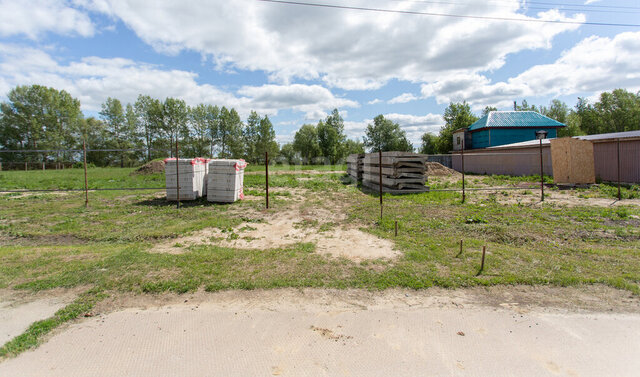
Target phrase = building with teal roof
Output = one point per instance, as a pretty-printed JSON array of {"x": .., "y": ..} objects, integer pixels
[{"x": 504, "y": 127}]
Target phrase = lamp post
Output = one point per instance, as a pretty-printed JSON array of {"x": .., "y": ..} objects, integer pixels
[{"x": 541, "y": 134}]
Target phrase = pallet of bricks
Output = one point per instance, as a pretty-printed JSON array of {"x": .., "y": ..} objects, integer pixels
[
  {"x": 225, "y": 180},
  {"x": 402, "y": 172},
  {"x": 355, "y": 164},
  {"x": 187, "y": 175}
]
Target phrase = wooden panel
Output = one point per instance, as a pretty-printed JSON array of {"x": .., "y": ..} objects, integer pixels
[{"x": 572, "y": 161}]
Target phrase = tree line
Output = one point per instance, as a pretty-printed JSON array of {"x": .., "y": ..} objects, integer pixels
[
  {"x": 36, "y": 117},
  {"x": 41, "y": 118},
  {"x": 615, "y": 111}
]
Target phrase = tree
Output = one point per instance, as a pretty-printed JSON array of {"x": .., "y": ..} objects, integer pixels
[
  {"x": 456, "y": 116},
  {"x": 557, "y": 110},
  {"x": 429, "y": 142},
  {"x": 331, "y": 137},
  {"x": 385, "y": 135},
  {"x": 305, "y": 142},
  {"x": 38, "y": 117},
  {"x": 175, "y": 115},
  {"x": 353, "y": 146},
  {"x": 525, "y": 107},
  {"x": 94, "y": 132},
  {"x": 488, "y": 109},
  {"x": 289, "y": 153},
  {"x": 206, "y": 120},
  {"x": 616, "y": 111},
  {"x": 149, "y": 113},
  {"x": 114, "y": 120},
  {"x": 228, "y": 134}
]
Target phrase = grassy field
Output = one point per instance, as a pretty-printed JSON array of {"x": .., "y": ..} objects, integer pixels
[{"x": 50, "y": 240}]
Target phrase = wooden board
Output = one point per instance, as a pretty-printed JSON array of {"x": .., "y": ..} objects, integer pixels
[{"x": 572, "y": 161}]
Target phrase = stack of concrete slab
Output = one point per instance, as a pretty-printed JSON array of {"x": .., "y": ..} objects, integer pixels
[
  {"x": 402, "y": 172},
  {"x": 186, "y": 174},
  {"x": 355, "y": 164},
  {"x": 225, "y": 180}
]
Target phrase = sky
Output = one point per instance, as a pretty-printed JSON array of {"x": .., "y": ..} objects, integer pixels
[{"x": 295, "y": 63}]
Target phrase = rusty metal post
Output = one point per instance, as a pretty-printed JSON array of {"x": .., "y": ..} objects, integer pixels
[
  {"x": 462, "y": 157},
  {"x": 484, "y": 249},
  {"x": 396, "y": 228},
  {"x": 541, "y": 175},
  {"x": 177, "y": 175},
  {"x": 42, "y": 165},
  {"x": 460, "y": 253},
  {"x": 619, "y": 194},
  {"x": 25, "y": 166},
  {"x": 380, "y": 178},
  {"x": 266, "y": 174},
  {"x": 86, "y": 185}
]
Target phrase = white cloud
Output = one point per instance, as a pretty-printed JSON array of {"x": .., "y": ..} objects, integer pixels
[
  {"x": 403, "y": 98},
  {"x": 93, "y": 79},
  {"x": 414, "y": 125},
  {"x": 310, "y": 99},
  {"x": 374, "y": 101},
  {"x": 595, "y": 64},
  {"x": 35, "y": 17},
  {"x": 348, "y": 49}
]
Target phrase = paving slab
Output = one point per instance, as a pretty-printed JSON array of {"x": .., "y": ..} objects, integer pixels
[{"x": 329, "y": 333}]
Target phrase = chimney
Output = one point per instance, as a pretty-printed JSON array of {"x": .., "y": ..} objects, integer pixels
[{"x": 514, "y": 106}]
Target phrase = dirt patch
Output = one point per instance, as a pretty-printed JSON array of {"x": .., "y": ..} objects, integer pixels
[
  {"x": 306, "y": 217},
  {"x": 288, "y": 228},
  {"x": 437, "y": 169},
  {"x": 552, "y": 198},
  {"x": 150, "y": 168}
]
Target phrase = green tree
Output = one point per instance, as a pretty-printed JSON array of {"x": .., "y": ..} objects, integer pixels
[
  {"x": 618, "y": 111},
  {"x": 206, "y": 120},
  {"x": 289, "y": 153},
  {"x": 524, "y": 106},
  {"x": 456, "y": 116},
  {"x": 39, "y": 117},
  {"x": 385, "y": 135},
  {"x": 429, "y": 142},
  {"x": 353, "y": 147},
  {"x": 331, "y": 137},
  {"x": 114, "y": 119},
  {"x": 305, "y": 142},
  {"x": 95, "y": 133},
  {"x": 228, "y": 134},
  {"x": 557, "y": 110},
  {"x": 488, "y": 109},
  {"x": 149, "y": 113},
  {"x": 175, "y": 115}
]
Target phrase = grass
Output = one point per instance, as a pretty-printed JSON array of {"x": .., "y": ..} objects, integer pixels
[{"x": 50, "y": 241}]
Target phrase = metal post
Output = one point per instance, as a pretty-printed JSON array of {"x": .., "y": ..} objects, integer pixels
[
  {"x": 619, "y": 195},
  {"x": 541, "y": 175},
  {"x": 484, "y": 249},
  {"x": 462, "y": 157},
  {"x": 42, "y": 165},
  {"x": 266, "y": 170},
  {"x": 460, "y": 253},
  {"x": 86, "y": 185},
  {"x": 177, "y": 175},
  {"x": 380, "y": 176},
  {"x": 396, "y": 228},
  {"x": 25, "y": 166}
]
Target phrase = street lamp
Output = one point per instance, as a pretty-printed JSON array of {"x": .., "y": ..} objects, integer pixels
[{"x": 541, "y": 134}]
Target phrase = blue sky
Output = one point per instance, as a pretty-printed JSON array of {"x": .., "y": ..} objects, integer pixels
[{"x": 296, "y": 63}]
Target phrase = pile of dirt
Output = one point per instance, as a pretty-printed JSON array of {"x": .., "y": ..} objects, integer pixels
[
  {"x": 150, "y": 168},
  {"x": 437, "y": 169}
]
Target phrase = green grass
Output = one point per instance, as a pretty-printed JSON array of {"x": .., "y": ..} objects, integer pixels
[
  {"x": 50, "y": 241},
  {"x": 74, "y": 179}
]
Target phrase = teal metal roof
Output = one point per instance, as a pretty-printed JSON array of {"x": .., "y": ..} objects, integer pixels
[{"x": 529, "y": 119}]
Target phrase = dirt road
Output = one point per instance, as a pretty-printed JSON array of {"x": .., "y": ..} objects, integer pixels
[{"x": 349, "y": 333}]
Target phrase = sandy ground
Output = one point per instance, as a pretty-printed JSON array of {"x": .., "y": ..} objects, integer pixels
[
  {"x": 18, "y": 310},
  {"x": 306, "y": 218},
  {"x": 474, "y": 332}
]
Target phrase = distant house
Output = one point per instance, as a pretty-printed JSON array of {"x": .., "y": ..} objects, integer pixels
[{"x": 504, "y": 127}]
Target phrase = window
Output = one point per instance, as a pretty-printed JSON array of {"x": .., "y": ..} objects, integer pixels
[{"x": 458, "y": 142}]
